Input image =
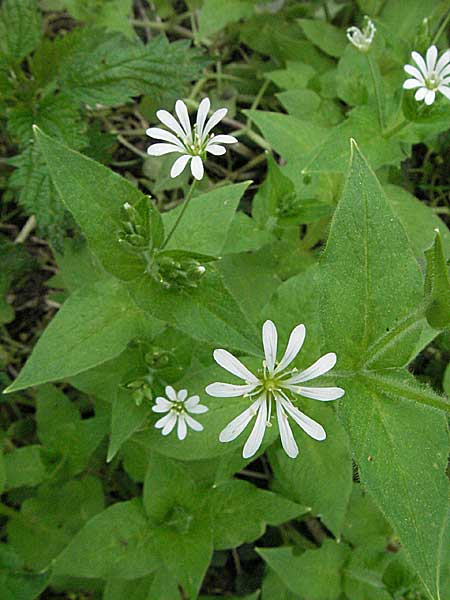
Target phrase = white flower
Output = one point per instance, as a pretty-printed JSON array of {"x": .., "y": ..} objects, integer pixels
[
  {"x": 177, "y": 406},
  {"x": 275, "y": 383},
  {"x": 362, "y": 39},
  {"x": 432, "y": 75},
  {"x": 191, "y": 143}
]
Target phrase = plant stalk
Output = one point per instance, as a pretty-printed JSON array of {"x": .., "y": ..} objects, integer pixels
[{"x": 180, "y": 216}]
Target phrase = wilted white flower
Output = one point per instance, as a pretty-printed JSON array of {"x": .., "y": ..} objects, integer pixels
[
  {"x": 275, "y": 383},
  {"x": 432, "y": 75},
  {"x": 191, "y": 142},
  {"x": 178, "y": 406},
  {"x": 362, "y": 39}
]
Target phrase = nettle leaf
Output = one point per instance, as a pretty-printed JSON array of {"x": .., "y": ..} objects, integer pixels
[
  {"x": 16, "y": 582},
  {"x": 116, "y": 543},
  {"x": 437, "y": 285},
  {"x": 315, "y": 574},
  {"x": 94, "y": 325},
  {"x": 107, "y": 68},
  {"x": 206, "y": 221},
  {"x": 241, "y": 512},
  {"x": 208, "y": 313},
  {"x": 95, "y": 196},
  {"x": 113, "y": 15},
  {"x": 55, "y": 514},
  {"x": 179, "y": 511},
  {"x": 20, "y": 29},
  {"x": 399, "y": 443},
  {"x": 321, "y": 477}
]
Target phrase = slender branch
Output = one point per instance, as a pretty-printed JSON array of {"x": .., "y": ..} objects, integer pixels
[
  {"x": 180, "y": 216},
  {"x": 441, "y": 29},
  {"x": 376, "y": 85}
]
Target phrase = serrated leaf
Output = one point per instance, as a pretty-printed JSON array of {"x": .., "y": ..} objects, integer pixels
[
  {"x": 112, "y": 15},
  {"x": 115, "y": 543},
  {"x": 315, "y": 574},
  {"x": 107, "y": 68},
  {"x": 20, "y": 29},
  {"x": 94, "y": 325},
  {"x": 241, "y": 512},
  {"x": 437, "y": 285},
  {"x": 95, "y": 196}
]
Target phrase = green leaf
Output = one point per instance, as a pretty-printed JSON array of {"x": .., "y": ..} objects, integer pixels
[
  {"x": 74, "y": 438},
  {"x": 364, "y": 571},
  {"x": 54, "y": 514},
  {"x": 321, "y": 477},
  {"x": 328, "y": 38},
  {"x": 180, "y": 512},
  {"x": 206, "y": 222},
  {"x": 159, "y": 585},
  {"x": 24, "y": 467},
  {"x": 315, "y": 574},
  {"x": 241, "y": 512},
  {"x": 95, "y": 196},
  {"x": 399, "y": 444},
  {"x": 208, "y": 313},
  {"x": 112, "y": 15},
  {"x": 215, "y": 15},
  {"x": 115, "y": 543},
  {"x": 297, "y": 75},
  {"x": 20, "y": 29},
  {"x": 126, "y": 418},
  {"x": 363, "y": 519},
  {"x": 93, "y": 326},
  {"x": 16, "y": 582},
  {"x": 437, "y": 285},
  {"x": 2, "y": 473},
  {"x": 108, "y": 68}
]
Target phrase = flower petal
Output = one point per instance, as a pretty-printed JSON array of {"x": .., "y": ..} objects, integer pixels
[
  {"x": 432, "y": 53},
  {"x": 202, "y": 113},
  {"x": 325, "y": 394},
  {"x": 445, "y": 90},
  {"x": 197, "y": 168},
  {"x": 429, "y": 97},
  {"x": 179, "y": 165},
  {"x": 309, "y": 426},
  {"x": 215, "y": 149},
  {"x": 163, "y": 402},
  {"x": 169, "y": 121},
  {"x": 216, "y": 117},
  {"x": 182, "y": 427},
  {"x": 182, "y": 395},
  {"x": 193, "y": 423},
  {"x": 443, "y": 62},
  {"x": 410, "y": 84},
  {"x": 171, "y": 393},
  {"x": 255, "y": 438},
  {"x": 234, "y": 366},
  {"x": 169, "y": 425},
  {"x": 223, "y": 139},
  {"x": 287, "y": 438},
  {"x": 229, "y": 390},
  {"x": 320, "y": 367},
  {"x": 183, "y": 116},
  {"x": 161, "y": 134},
  {"x": 191, "y": 402},
  {"x": 239, "y": 423},
  {"x": 421, "y": 93},
  {"x": 295, "y": 343},
  {"x": 420, "y": 63},
  {"x": 414, "y": 72},
  {"x": 270, "y": 341},
  {"x": 198, "y": 409},
  {"x": 161, "y": 149}
]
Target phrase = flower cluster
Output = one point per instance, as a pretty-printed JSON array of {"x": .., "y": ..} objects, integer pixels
[
  {"x": 273, "y": 385},
  {"x": 362, "y": 39},
  {"x": 193, "y": 143},
  {"x": 431, "y": 75}
]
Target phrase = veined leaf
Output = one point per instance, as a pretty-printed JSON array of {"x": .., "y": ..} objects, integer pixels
[
  {"x": 437, "y": 285},
  {"x": 20, "y": 29}
]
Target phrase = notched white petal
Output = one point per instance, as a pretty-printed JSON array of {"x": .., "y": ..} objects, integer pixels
[
  {"x": 294, "y": 346},
  {"x": 233, "y": 365},
  {"x": 324, "y": 364},
  {"x": 228, "y": 390},
  {"x": 239, "y": 423},
  {"x": 255, "y": 438},
  {"x": 179, "y": 165},
  {"x": 270, "y": 341},
  {"x": 197, "y": 168}
]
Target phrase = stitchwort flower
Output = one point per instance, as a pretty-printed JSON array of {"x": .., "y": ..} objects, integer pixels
[
  {"x": 192, "y": 143},
  {"x": 431, "y": 76},
  {"x": 274, "y": 383},
  {"x": 177, "y": 405},
  {"x": 362, "y": 39}
]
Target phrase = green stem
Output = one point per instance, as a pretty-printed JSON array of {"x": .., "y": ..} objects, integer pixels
[
  {"x": 376, "y": 85},
  {"x": 180, "y": 216},
  {"x": 441, "y": 29}
]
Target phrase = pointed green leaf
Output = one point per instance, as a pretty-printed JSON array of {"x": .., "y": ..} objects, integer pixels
[
  {"x": 126, "y": 418},
  {"x": 437, "y": 285}
]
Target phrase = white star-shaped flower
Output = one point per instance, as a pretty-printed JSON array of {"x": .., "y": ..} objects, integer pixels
[
  {"x": 191, "y": 142},
  {"x": 178, "y": 406},
  {"x": 274, "y": 383},
  {"x": 362, "y": 39},
  {"x": 431, "y": 76}
]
